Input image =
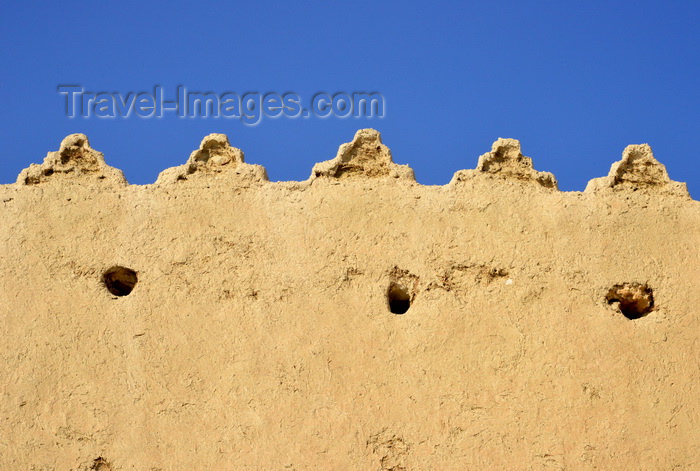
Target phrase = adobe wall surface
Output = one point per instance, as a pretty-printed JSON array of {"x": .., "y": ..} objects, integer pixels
[{"x": 259, "y": 334}]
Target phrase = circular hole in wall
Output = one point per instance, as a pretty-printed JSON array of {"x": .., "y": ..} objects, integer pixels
[
  {"x": 634, "y": 300},
  {"x": 398, "y": 298},
  {"x": 120, "y": 281}
]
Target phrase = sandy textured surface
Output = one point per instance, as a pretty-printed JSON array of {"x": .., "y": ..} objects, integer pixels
[{"x": 259, "y": 335}]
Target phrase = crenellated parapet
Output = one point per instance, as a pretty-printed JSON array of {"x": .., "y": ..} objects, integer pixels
[
  {"x": 507, "y": 162},
  {"x": 74, "y": 161},
  {"x": 638, "y": 170},
  {"x": 365, "y": 156},
  {"x": 214, "y": 160}
]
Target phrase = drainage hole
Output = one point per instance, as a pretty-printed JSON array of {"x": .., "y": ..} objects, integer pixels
[
  {"x": 398, "y": 298},
  {"x": 634, "y": 300},
  {"x": 120, "y": 281}
]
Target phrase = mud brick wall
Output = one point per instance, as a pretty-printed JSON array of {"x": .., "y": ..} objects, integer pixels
[{"x": 215, "y": 320}]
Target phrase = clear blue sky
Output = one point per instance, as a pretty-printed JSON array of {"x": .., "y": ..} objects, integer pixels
[{"x": 574, "y": 81}]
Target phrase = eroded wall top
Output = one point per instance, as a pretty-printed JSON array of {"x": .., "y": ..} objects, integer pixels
[{"x": 366, "y": 156}]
